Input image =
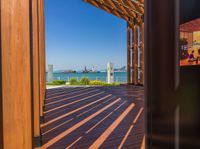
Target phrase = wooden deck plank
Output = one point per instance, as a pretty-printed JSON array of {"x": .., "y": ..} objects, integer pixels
[{"x": 87, "y": 121}]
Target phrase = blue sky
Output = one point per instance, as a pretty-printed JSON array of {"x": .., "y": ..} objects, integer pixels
[{"x": 79, "y": 34}]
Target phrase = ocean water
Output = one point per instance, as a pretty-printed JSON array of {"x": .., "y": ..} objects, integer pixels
[{"x": 118, "y": 76}]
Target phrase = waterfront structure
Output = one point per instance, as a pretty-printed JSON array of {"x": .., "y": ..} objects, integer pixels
[
  {"x": 50, "y": 73},
  {"x": 110, "y": 73}
]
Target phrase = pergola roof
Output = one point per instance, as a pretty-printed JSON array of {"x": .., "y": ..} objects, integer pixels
[
  {"x": 191, "y": 26},
  {"x": 125, "y": 9}
]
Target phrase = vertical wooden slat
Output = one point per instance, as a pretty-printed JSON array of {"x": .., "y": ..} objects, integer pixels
[
  {"x": 133, "y": 57},
  {"x": 44, "y": 55},
  {"x": 136, "y": 54},
  {"x": 42, "y": 71},
  {"x": 142, "y": 53},
  {"x": 36, "y": 80},
  {"x": 16, "y": 78},
  {"x": 1, "y": 98},
  {"x": 128, "y": 53}
]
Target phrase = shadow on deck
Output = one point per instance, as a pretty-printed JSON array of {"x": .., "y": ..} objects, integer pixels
[{"x": 94, "y": 117}]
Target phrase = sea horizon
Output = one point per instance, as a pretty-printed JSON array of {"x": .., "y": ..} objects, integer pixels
[{"x": 120, "y": 77}]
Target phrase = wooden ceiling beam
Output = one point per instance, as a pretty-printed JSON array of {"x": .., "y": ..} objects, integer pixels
[
  {"x": 124, "y": 9},
  {"x": 128, "y": 9},
  {"x": 139, "y": 2},
  {"x": 138, "y": 6},
  {"x": 130, "y": 4},
  {"x": 107, "y": 9},
  {"x": 114, "y": 8},
  {"x": 137, "y": 9}
]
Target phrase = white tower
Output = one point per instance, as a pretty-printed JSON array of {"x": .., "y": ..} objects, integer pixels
[
  {"x": 110, "y": 73},
  {"x": 50, "y": 73}
]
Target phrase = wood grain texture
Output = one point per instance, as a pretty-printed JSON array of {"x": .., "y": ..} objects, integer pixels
[
  {"x": 42, "y": 70},
  {"x": 133, "y": 56},
  {"x": 128, "y": 53},
  {"x": 113, "y": 118},
  {"x": 142, "y": 53},
  {"x": 121, "y": 8},
  {"x": 135, "y": 59},
  {"x": 16, "y": 78},
  {"x": 1, "y": 106},
  {"x": 35, "y": 63}
]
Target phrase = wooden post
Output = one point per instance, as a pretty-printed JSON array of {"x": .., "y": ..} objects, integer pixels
[
  {"x": 132, "y": 57},
  {"x": 35, "y": 72},
  {"x": 42, "y": 69},
  {"x": 1, "y": 91},
  {"x": 128, "y": 54},
  {"x": 15, "y": 62},
  {"x": 142, "y": 53},
  {"x": 135, "y": 62}
]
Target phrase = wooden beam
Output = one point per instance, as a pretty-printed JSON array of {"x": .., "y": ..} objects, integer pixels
[
  {"x": 42, "y": 69},
  {"x": 128, "y": 54},
  {"x": 1, "y": 91},
  {"x": 121, "y": 8},
  {"x": 35, "y": 72},
  {"x": 135, "y": 59},
  {"x": 142, "y": 54},
  {"x": 133, "y": 56},
  {"x": 117, "y": 5},
  {"x": 16, "y": 97},
  {"x": 138, "y": 7},
  {"x": 128, "y": 8},
  {"x": 139, "y": 3},
  {"x": 108, "y": 9},
  {"x": 122, "y": 14},
  {"x": 135, "y": 10}
]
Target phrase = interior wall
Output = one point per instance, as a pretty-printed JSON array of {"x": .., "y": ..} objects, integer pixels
[{"x": 172, "y": 96}]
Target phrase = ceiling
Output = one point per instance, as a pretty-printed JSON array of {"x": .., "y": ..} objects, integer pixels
[{"x": 129, "y": 10}]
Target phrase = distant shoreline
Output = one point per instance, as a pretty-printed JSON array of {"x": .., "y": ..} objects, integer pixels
[{"x": 120, "y": 77}]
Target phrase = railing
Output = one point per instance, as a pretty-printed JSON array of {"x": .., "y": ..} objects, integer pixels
[{"x": 116, "y": 79}]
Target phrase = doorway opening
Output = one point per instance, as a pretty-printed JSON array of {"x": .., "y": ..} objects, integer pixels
[{"x": 90, "y": 115}]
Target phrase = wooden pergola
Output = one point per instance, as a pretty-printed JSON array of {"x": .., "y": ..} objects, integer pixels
[
  {"x": 23, "y": 67},
  {"x": 132, "y": 11}
]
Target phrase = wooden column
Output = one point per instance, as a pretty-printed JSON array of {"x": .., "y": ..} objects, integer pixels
[
  {"x": 128, "y": 54},
  {"x": 1, "y": 91},
  {"x": 15, "y": 62},
  {"x": 42, "y": 69},
  {"x": 132, "y": 57},
  {"x": 135, "y": 58},
  {"x": 35, "y": 72},
  {"x": 142, "y": 53}
]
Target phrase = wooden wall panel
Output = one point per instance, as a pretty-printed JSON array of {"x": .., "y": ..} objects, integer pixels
[{"x": 16, "y": 78}]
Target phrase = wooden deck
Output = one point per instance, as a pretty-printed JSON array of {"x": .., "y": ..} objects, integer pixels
[{"x": 94, "y": 117}]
